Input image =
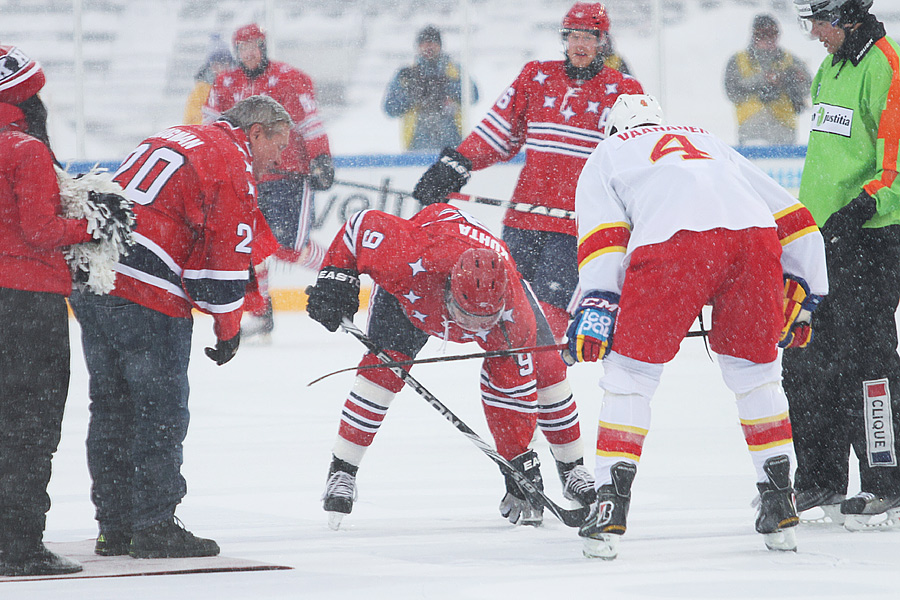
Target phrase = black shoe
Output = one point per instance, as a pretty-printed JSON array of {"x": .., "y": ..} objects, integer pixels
[
  {"x": 777, "y": 518},
  {"x": 112, "y": 543},
  {"x": 169, "y": 539},
  {"x": 606, "y": 523},
  {"x": 27, "y": 559},
  {"x": 577, "y": 481}
]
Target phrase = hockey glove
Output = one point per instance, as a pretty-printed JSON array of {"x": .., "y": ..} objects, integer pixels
[
  {"x": 799, "y": 305},
  {"x": 446, "y": 176},
  {"x": 590, "y": 334},
  {"x": 115, "y": 217},
  {"x": 849, "y": 220},
  {"x": 224, "y": 350},
  {"x": 321, "y": 172},
  {"x": 515, "y": 505},
  {"x": 334, "y": 297}
]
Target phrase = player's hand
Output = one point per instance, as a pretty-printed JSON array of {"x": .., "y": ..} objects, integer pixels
[
  {"x": 334, "y": 297},
  {"x": 799, "y": 305},
  {"x": 590, "y": 334},
  {"x": 321, "y": 172},
  {"x": 446, "y": 176},
  {"x": 224, "y": 350}
]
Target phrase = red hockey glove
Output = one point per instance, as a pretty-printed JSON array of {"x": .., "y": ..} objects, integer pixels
[
  {"x": 591, "y": 330},
  {"x": 799, "y": 305}
]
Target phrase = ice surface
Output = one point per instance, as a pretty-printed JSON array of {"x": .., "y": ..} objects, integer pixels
[{"x": 426, "y": 524}]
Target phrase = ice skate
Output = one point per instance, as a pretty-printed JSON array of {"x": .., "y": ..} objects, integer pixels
[
  {"x": 777, "y": 519},
  {"x": 257, "y": 328},
  {"x": 606, "y": 522},
  {"x": 515, "y": 506},
  {"x": 340, "y": 492},
  {"x": 866, "y": 511},
  {"x": 819, "y": 507},
  {"x": 577, "y": 482}
]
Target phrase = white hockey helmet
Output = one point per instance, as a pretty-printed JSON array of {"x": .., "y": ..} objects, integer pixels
[{"x": 632, "y": 110}]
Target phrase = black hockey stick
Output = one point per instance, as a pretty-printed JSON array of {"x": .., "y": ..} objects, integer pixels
[
  {"x": 436, "y": 359},
  {"x": 533, "y": 209},
  {"x": 569, "y": 517},
  {"x": 454, "y": 357}
]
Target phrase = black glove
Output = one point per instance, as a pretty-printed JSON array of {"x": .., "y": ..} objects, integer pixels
[
  {"x": 321, "y": 172},
  {"x": 115, "y": 213},
  {"x": 224, "y": 350},
  {"x": 846, "y": 222},
  {"x": 334, "y": 297},
  {"x": 446, "y": 176}
]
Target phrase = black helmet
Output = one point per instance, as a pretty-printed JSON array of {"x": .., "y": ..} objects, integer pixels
[{"x": 838, "y": 12}]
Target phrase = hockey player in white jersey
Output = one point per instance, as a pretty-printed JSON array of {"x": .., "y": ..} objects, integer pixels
[{"x": 670, "y": 219}]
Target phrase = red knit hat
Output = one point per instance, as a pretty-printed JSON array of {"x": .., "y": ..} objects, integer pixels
[{"x": 20, "y": 77}]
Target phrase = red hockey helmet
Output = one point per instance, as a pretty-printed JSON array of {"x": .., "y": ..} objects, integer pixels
[
  {"x": 586, "y": 16},
  {"x": 475, "y": 295},
  {"x": 20, "y": 77},
  {"x": 248, "y": 33}
]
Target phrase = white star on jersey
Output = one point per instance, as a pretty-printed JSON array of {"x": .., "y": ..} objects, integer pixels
[
  {"x": 612, "y": 88},
  {"x": 272, "y": 80},
  {"x": 417, "y": 315},
  {"x": 540, "y": 77},
  {"x": 411, "y": 296},
  {"x": 507, "y": 316},
  {"x": 549, "y": 102},
  {"x": 417, "y": 267},
  {"x": 567, "y": 112},
  {"x": 593, "y": 107}
]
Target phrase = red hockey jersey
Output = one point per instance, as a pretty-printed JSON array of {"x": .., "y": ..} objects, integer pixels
[
  {"x": 197, "y": 223},
  {"x": 558, "y": 121},
  {"x": 294, "y": 90},
  {"x": 411, "y": 259}
]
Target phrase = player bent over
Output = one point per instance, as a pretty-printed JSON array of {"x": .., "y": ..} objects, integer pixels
[
  {"x": 441, "y": 273},
  {"x": 671, "y": 219}
]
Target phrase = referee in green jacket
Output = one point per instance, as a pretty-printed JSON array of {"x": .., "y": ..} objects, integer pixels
[{"x": 844, "y": 388}]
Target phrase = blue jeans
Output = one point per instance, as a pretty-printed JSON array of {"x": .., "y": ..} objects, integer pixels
[{"x": 137, "y": 359}]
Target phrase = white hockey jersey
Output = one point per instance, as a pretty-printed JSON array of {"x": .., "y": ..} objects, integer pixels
[{"x": 643, "y": 185}]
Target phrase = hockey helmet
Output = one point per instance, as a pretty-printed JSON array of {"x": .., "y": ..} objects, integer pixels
[
  {"x": 586, "y": 16},
  {"x": 249, "y": 33},
  {"x": 20, "y": 77},
  {"x": 837, "y": 12},
  {"x": 632, "y": 110},
  {"x": 476, "y": 290}
]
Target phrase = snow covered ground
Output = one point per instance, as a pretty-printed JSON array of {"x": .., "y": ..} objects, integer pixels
[{"x": 426, "y": 524}]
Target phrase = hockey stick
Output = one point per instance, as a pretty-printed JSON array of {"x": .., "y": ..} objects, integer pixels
[
  {"x": 569, "y": 517},
  {"x": 533, "y": 209},
  {"x": 436, "y": 359},
  {"x": 454, "y": 357}
]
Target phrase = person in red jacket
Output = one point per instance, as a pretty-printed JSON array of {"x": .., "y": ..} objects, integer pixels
[
  {"x": 198, "y": 232},
  {"x": 285, "y": 193},
  {"x": 555, "y": 110},
  {"x": 34, "y": 324},
  {"x": 442, "y": 274}
]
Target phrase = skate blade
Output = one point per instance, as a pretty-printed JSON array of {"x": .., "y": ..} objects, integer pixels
[
  {"x": 256, "y": 339},
  {"x": 782, "y": 541},
  {"x": 334, "y": 520},
  {"x": 880, "y": 522},
  {"x": 829, "y": 514},
  {"x": 605, "y": 547}
]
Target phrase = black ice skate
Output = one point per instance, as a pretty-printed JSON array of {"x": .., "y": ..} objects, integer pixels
[
  {"x": 606, "y": 522},
  {"x": 866, "y": 511},
  {"x": 577, "y": 481},
  {"x": 340, "y": 491},
  {"x": 819, "y": 506},
  {"x": 515, "y": 505},
  {"x": 777, "y": 519}
]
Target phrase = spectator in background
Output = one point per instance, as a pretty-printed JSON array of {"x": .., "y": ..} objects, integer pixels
[
  {"x": 611, "y": 58},
  {"x": 428, "y": 97},
  {"x": 218, "y": 60},
  {"x": 286, "y": 191},
  {"x": 768, "y": 86},
  {"x": 34, "y": 325}
]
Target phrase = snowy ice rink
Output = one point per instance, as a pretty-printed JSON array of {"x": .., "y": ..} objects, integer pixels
[{"x": 426, "y": 524}]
